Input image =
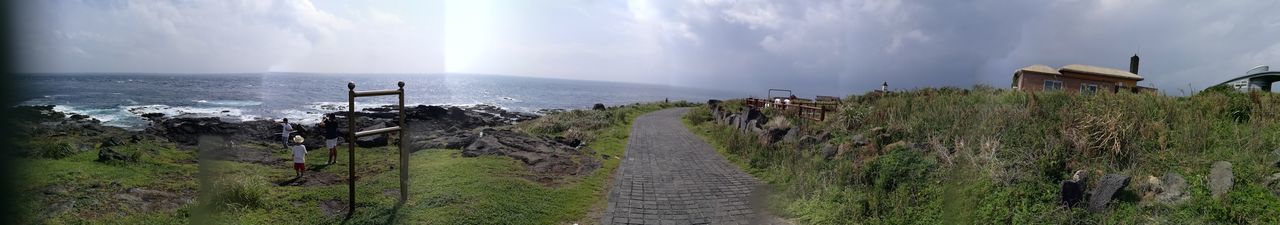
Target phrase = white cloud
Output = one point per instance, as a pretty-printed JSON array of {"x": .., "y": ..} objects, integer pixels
[
  {"x": 212, "y": 36},
  {"x": 829, "y": 46}
]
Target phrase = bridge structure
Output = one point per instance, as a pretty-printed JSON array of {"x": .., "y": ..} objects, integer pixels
[{"x": 1258, "y": 78}]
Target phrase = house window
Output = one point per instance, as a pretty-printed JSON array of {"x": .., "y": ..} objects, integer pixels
[
  {"x": 1088, "y": 88},
  {"x": 1052, "y": 85}
]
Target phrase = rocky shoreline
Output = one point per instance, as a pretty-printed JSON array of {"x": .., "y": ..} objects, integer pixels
[{"x": 475, "y": 130}]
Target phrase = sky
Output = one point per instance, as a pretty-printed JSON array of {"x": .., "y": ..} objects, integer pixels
[{"x": 815, "y": 47}]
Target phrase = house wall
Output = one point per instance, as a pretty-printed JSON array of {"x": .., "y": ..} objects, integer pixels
[{"x": 1071, "y": 82}]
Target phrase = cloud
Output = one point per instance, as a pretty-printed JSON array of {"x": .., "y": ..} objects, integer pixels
[
  {"x": 207, "y": 36},
  {"x": 849, "y": 46},
  {"x": 829, "y": 47}
]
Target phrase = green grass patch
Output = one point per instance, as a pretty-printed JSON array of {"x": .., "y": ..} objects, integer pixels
[
  {"x": 997, "y": 156},
  {"x": 445, "y": 188}
]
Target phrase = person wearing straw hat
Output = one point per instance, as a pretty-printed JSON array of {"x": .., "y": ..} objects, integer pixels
[{"x": 299, "y": 155}]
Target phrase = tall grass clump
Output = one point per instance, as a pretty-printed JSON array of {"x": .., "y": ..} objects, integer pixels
[
  {"x": 986, "y": 155},
  {"x": 237, "y": 191}
]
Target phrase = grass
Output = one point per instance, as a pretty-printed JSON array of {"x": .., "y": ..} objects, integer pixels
[
  {"x": 445, "y": 188},
  {"x": 984, "y": 155}
]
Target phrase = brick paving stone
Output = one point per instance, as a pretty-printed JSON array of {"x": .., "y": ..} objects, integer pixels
[{"x": 670, "y": 176}]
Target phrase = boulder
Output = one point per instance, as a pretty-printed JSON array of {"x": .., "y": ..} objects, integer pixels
[
  {"x": 858, "y": 141},
  {"x": 1172, "y": 189},
  {"x": 546, "y": 157},
  {"x": 808, "y": 140},
  {"x": 829, "y": 151},
  {"x": 428, "y": 112},
  {"x": 373, "y": 141},
  {"x": 109, "y": 154},
  {"x": 1169, "y": 189},
  {"x": 598, "y": 106},
  {"x": 1276, "y": 154},
  {"x": 438, "y": 139},
  {"x": 153, "y": 116},
  {"x": 111, "y": 142},
  {"x": 1106, "y": 189},
  {"x": 1220, "y": 179},
  {"x": 791, "y": 135},
  {"x": 771, "y": 135},
  {"x": 457, "y": 115},
  {"x": 484, "y": 145},
  {"x": 1273, "y": 183},
  {"x": 78, "y": 117},
  {"x": 1072, "y": 190},
  {"x": 571, "y": 142}
]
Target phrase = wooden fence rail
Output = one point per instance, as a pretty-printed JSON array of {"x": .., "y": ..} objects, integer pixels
[{"x": 808, "y": 110}]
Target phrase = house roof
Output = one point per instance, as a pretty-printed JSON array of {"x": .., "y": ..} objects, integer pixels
[
  {"x": 1117, "y": 73},
  {"x": 1040, "y": 69}
]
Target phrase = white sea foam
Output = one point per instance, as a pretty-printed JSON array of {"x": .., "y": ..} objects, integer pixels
[
  {"x": 302, "y": 117},
  {"x": 237, "y": 103},
  {"x": 342, "y": 106},
  {"x": 228, "y": 113}
]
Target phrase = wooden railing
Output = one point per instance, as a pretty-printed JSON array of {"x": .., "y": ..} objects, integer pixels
[
  {"x": 352, "y": 94},
  {"x": 808, "y": 110}
]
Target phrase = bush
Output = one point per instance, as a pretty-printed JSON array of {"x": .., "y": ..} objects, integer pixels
[
  {"x": 1007, "y": 151},
  {"x": 899, "y": 167},
  {"x": 238, "y": 191},
  {"x": 51, "y": 149},
  {"x": 583, "y": 120}
]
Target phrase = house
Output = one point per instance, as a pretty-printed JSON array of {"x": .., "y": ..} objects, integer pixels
[
  {"x": 1259, "y": 78},
  {"x": 1079, "y": 78}
]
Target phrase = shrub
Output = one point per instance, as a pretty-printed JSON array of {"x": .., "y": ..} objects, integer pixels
[
  {"x": 51, "y": 149},
  {"x": 238, "y": 191},
  {"x": 899, "y": 167}
]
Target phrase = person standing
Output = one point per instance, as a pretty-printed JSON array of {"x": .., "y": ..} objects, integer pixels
[
  {"x": 286, "y": 130},
  {"x": 331, "y": 135},
  {"x": 299, "y": 155}
]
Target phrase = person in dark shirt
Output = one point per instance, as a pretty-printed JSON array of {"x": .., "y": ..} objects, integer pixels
[{"x": 331, "y": 137}]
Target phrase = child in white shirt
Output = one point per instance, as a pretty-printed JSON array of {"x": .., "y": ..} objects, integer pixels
[{"x": 299, "y": 155}]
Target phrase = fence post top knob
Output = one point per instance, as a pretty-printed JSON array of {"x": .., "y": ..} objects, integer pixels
[
  {"x": 401, "y": 84},
  {"x": 351, "y": 85}
]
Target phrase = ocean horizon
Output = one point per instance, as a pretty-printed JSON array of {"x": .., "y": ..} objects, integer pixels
[{"x": 119, "y": 99}]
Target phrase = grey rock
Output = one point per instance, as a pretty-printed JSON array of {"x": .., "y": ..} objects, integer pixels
[
  {"x": 1273, "y": 183},
  {"x": 1106, "y": 189},
  {"x": 373, "y": 140},
  {"x": 1276, "y": 155},
  {"x": 546, "y": 157},
  {"x": 829, "y": 151},
  {"x": 858, "y": 141},
  {"x": 598, "y": 107},
  {"x": 1220, "y": 179},
  {"x": 808, "y": 140},
  {"x": 109, "y": 154},
  {"x": 1172, "y": 189},
  {"x": 791, "y": 135},
  {"x": 111, "y": 142},
  {"x": 1072, "y": 190},
  {"x": 771, "y": 135}
]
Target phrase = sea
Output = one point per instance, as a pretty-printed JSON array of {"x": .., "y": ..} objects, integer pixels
[{"x": 120, "y": 99}]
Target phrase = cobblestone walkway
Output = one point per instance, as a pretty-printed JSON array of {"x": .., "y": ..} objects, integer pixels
[{"x": 670, "y": 176}]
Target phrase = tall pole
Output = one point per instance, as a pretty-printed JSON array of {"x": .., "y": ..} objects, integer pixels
[
  {"x": 404, "y": 156},
  {"x": 351, "y": 148}
]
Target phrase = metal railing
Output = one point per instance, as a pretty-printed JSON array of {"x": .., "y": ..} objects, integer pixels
[{"x": 351, "y": 142}]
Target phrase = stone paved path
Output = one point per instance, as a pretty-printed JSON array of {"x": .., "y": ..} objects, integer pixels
[{"x": 670, "y": 176}]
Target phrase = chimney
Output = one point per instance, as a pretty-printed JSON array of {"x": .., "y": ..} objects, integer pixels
[{"x": 1133, "y": 64}]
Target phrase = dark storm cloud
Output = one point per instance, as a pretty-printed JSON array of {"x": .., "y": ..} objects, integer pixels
[
  {"x": 829, "y": 47},
  {"x": 840, "y": 47}
]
